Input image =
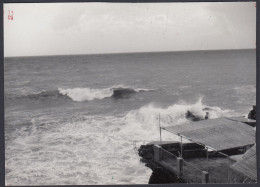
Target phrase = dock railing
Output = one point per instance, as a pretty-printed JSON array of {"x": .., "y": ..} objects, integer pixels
[
  {"x": 219, "y": 168},
  {"x": 192, "y": 174},
  {"x": 215, "y": 168},
  {"x": 166, "y": 158},
  {"x": 176, "y": 164}
]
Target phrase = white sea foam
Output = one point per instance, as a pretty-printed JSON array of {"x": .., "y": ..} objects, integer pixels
[
  {"x": 88, "y": 94},
  {"x": 84, "y": 94},
  {"x": 144, "y": 122},
  {"x": 91, "y": 151}
]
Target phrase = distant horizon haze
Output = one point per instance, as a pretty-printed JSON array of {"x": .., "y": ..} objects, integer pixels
[{"x": 144, "y": 52}]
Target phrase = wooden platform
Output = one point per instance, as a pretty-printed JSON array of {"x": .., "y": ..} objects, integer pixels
[
  {"x": 215, "y": 153},
  {"x": 217, "y": 167}
]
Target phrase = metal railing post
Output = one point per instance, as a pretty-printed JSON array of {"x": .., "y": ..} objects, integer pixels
[
  {"x": 157, "y": 153},
  {"x": 160, "y": 129},
  {"x": 228, "y": 170},
  {"x": 180, "y": 165},
  {"x": 181, "y": 147},
  {"x": 207, "y": 159},
  {"x": 205, "y": 177}
]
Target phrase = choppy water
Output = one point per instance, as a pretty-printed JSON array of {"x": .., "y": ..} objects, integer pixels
[{"x": 65, "y": 125}]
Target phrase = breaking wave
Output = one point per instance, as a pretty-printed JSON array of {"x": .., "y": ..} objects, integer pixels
[
  {"x": 146, "y": 119},
  {"x": 39, "y": 95},
  {"x": 87, "y": 94},
  {"x": 84, "y": 94}
]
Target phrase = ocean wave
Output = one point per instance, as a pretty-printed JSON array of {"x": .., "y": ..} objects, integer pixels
[
  {"x": 65, "y": 143},
  {"x": 87, "y": 94},
  {"x": 83, "y": 94},
  {"x": 38, "y": 95},
  {"x": 146, "y": 119}
]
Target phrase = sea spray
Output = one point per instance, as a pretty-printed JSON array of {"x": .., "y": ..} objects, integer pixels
[
  {"x": 87, "y": 94},
  {"x": 79, "y": 94},
  {"x": 144, "y": 122},
  {"x": 83, "y": 94}
]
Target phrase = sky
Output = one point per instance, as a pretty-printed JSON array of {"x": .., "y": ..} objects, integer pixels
[{"x": 93, "y": 28}]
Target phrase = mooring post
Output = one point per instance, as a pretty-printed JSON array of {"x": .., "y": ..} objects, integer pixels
[
  {"x": 180, "y": 165},
  {"x": 157, "y": 153},
  {"x": 205, "y": 177}
]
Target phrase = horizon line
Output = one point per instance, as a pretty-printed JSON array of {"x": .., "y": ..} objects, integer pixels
[{"x": 128, "y": 53}]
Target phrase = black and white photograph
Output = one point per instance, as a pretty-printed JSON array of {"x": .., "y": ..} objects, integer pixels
[{"x": 99, "y": 93}]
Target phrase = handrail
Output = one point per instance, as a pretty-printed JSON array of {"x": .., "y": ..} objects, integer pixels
[
  {"x": 168, "y": 152},
  {"x": 182, "y": 158}
]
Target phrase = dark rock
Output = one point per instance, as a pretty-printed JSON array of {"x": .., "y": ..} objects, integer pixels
[
  {"x": 164, "y": 177},
  {"x": 190, "y": 116},
  {"x": 252, "y": 113}
]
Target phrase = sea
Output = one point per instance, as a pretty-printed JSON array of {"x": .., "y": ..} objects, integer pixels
[{"x": 79, "y": 119}]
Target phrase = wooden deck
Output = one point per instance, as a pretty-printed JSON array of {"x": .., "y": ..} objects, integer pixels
[
  {"x": 215, "y": 168},
  {"x": 218, "y": 168},
  {"x": 215, "y": 153}
]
